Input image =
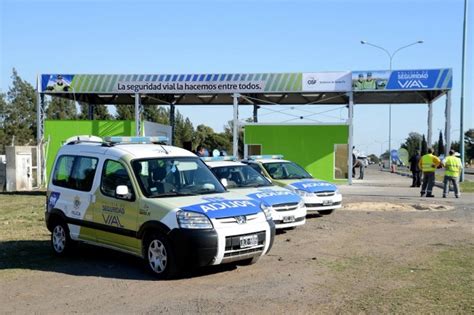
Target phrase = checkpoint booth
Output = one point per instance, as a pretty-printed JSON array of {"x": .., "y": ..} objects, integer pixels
[{"x": 347, "y": 88}]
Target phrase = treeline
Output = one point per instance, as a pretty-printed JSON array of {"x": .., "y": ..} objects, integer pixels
[{"x": 18, "y": 118}]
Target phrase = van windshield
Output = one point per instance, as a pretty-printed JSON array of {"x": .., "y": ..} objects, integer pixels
[{"x": 178, "y": 176}]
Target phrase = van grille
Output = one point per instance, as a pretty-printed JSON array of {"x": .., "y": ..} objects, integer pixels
[{"x": 285, "y": 206}]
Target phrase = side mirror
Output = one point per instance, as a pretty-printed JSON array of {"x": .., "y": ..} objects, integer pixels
[
  {"x": 122, "y": 192},
  {"x": 224, "y": 182}
]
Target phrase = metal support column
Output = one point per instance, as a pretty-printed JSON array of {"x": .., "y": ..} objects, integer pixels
[
  {"x": 90, "y": 111},
  {"x": 137, "y": 115},
  {"x": 447, "y": 129},
  {"x": 351, "y": 140},
  {"x": 172, "y": 122},
  {"x": 429, "y": 136},
  {"x": 40, "y": 112},
  {"x": 235, "y": 132},
  {"x": 255, "y": 113}
]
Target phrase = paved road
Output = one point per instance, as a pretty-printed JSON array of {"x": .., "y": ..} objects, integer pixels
[{"x": 382, "y": 185}]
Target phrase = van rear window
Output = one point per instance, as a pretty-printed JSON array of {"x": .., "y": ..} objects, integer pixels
[{"x": 75, "y": 172}]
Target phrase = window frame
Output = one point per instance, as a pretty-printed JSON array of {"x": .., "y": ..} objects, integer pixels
[
  {"x": 129, "y": 177},
  {"x": 71, "y": 171}
]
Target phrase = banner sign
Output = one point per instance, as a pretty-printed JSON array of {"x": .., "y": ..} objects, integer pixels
[
  {"x": 327, "y": 81},
  {"x": 439, "y": 79},
  {"x": 246, "y": 82}
]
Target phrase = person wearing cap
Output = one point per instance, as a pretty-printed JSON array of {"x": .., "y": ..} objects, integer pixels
[
  {"x": 359, "y": 84},
  {"x": 59, "y": 86},
  {"x": 369, "y": 83},
  {"x": 452, "y": 166},
  {"x": 428, "y": 164}
]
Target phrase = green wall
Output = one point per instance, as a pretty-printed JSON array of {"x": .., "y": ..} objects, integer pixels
[
  {"x": 57, "y": 131},
  {"x": 311, "y": 146}
]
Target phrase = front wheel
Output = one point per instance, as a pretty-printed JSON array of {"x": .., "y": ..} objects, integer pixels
[
  {"x": 159, "y": 256},
  {"x": 61, "y": 242}
]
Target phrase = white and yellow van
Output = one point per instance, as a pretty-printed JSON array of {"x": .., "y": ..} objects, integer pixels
[{"x": 158, "y": 202}]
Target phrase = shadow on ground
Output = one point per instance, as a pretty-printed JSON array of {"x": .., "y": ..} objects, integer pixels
[{"x": 85, "y": 260}]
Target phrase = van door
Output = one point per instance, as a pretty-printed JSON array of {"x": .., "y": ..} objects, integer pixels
[{"x": 115, "y": 216}]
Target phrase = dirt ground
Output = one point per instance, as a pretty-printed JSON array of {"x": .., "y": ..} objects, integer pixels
[{"x": 360, "y": 259}]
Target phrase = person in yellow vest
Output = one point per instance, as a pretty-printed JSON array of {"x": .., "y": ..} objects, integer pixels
[
  {"x": 452, "y": 166},
  {"x": 428, "y": 164}
]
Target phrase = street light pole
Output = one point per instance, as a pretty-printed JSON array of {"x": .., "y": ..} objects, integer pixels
[
  {"x": 461, "y": 137},
  {"x": 390, "y": 56}
]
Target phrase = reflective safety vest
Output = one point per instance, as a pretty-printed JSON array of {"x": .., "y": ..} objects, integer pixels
[
  {"x": 453, "y": 166},
  {"x": 428, "y": 163}
]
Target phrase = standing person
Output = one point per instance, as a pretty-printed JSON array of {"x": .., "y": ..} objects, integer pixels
[
  {"x": 452, "y": 166},
  {"x": 415, "y": 169},
  {"x": 369, "y": 83},
  {"x": 428, "y": 164},
  {"x": 355, "y": 162}
]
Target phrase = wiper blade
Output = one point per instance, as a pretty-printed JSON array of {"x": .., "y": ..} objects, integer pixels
[{"x": 173, "y": 194}]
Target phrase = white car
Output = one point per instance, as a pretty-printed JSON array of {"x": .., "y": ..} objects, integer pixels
[
  {"x": 319, "y": 196},
  {"x": 287, "y": 208}
]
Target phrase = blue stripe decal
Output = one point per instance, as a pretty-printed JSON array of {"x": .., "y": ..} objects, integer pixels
[
  {"x": 236, "y": 77},
  {"x": 162, "y": 77},
  {"x": 215, "y": 77},
  {"x": 201, "y": 78},
  {"x": 195, "y": 77},
  {"x": 443, "y": 77},
  {"x": 224, "y": 208},
  {"x": 168, "y": 77},
  {"x": 264, "y": 78},
  {"x": 188, "y": 77},
  {"x": 208, "y": 77},
  {"x": 250, "y": 77},
  {"x": 229, "y": 77},
  {"x": 154, "y": 77},
  {"x": 242, "y": 78},
  {"x": 174, "y": 77},
  {"x": 181, "y": 77}
]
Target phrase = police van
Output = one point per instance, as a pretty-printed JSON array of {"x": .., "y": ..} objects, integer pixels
[
  {"x": 159, "y": 202},
  {"x": 287, "y": 208},
  {"x": 318, "y": 195}
]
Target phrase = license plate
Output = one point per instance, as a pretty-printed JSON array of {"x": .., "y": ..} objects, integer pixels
[
  {"x": 288, "y": 219},
  {"x": 248, "y": 241},
  {"x": 327, "y": 202}
]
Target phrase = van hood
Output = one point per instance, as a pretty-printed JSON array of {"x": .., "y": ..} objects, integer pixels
[{"x": 216, "y": 206}]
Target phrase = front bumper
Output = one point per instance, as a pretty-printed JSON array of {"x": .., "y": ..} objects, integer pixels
[
  {"x": 282, "y": 218},
  {"x": 316, "y": 203}
]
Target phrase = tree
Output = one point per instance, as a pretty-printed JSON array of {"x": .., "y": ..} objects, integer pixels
[
  {"x": 412, "y": 143},
  {"x": 374, "y": 158},
  {"x": 440, "y": 144},
  {"x": 3, "y": 105},
  {"x": 424, "y": 146},
  {"x": 62, "y": 109},
  {"x": 99, "y": 111},
  {"x": 125, "y": 112},
  {"x": 19, "y": 112}
]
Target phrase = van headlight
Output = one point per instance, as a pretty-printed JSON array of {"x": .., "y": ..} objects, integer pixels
[
  {"x": 303, "y": 193},
  {"x": 193, "y": 220},
  {"x": 266, "y": 210}
]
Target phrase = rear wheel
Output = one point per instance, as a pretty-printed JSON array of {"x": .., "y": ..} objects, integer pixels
[
  {"x": 61, "y": 242},
  {"x": 159, "y": 256},
  {"x": 325, "y": 212}
]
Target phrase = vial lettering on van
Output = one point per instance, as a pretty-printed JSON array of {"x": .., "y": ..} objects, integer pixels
[
  {"x": 226, "y": 205},
  {"x": 112, "y": 220}
]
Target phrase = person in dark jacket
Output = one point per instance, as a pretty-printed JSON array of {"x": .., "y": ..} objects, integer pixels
[{"x": 415, "y": 169}]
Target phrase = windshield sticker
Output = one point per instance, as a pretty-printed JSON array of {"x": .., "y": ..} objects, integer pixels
[
  {"x": 219, "y": 207},
  {"x": 273, "y": 197},
  {"x": 314, "y": 186}
]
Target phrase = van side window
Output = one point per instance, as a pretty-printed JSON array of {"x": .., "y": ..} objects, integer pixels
[
  {"x": 113, "y": 175},
  {"x": 75, "y": 172}
]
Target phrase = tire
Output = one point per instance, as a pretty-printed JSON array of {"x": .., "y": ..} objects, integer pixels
[
  {"x": 61, "y": 241},
  {"x": 325, "y": 212},
  {"x": 248, "y": 261},
  {"x": 159, "y": 256}
]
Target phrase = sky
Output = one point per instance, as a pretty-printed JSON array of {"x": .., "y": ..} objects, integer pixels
[{"x": 116, "y": 36}]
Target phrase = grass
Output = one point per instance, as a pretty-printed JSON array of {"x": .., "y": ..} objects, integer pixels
[{"x": 440, "y": 282}]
